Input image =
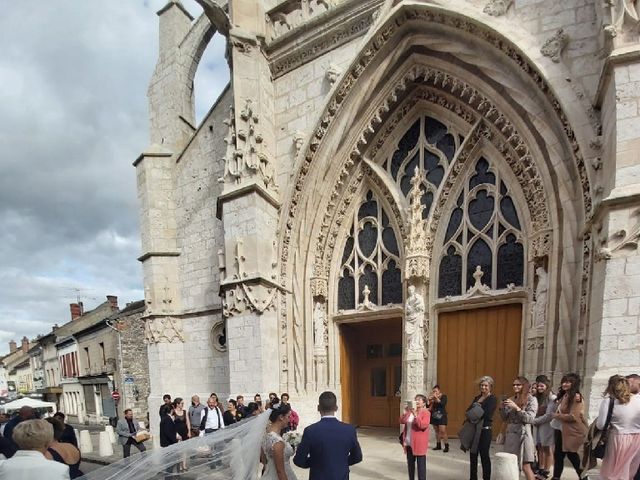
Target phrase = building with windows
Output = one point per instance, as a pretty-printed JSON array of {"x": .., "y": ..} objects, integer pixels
[{"x": 390, "y": 194}]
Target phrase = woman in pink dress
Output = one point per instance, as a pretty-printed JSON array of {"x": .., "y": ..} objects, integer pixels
[{"x": 622, "y": 456}]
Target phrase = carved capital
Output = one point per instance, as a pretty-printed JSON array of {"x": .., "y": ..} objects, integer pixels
[
  {"x": 243, "y": 297},
  {"x": 417, "y": 266},
  {"x": 319, "y": 287}
]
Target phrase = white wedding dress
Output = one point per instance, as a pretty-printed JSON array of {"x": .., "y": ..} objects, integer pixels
[{"x": 270, "y": 473}]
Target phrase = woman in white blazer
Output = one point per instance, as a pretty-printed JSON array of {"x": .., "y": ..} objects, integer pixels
[{"x": 29, "y": 463}]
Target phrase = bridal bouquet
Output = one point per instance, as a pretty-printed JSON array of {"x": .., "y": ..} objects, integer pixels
[{"x": 292, "y": 438}]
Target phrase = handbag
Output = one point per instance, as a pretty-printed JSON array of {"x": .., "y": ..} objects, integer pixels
[{"x": 601, "y": 446}]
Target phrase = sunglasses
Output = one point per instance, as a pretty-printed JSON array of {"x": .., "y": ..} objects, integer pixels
[{"x": 517, "y": 385}]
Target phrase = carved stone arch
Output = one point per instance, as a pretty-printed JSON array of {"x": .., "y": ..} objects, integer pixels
[
  {"x": 448, "y": 197},
  {"x": 350, "y": 128},
  {"x": 368, "y": 180}
]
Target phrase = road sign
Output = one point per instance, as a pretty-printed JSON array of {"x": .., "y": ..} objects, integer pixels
[{"x": 115, "y": 395}]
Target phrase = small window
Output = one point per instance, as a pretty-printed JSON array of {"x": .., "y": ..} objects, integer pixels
[
  {"x": 379, "y": 382},
  {"x": 375, "y": 351}
]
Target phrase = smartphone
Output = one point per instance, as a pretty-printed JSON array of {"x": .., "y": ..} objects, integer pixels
[
  {"x": 503, "y": 398},
  {"x": 409, "y": 404}
]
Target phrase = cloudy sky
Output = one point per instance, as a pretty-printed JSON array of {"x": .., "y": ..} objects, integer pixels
[{"x": 73, "y": 118}]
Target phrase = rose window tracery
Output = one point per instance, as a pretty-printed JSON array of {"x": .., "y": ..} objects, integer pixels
[
  {"x": 371, "y": 258},
  {"x": 483, "y": 230},
  {"x": 429, "y": 145}
]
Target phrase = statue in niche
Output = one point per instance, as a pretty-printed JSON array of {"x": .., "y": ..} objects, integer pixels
[
  {"x": 319, "y": 325},
  {"x": 414, "y": 321},
  {"x": 539, "y": 312}
]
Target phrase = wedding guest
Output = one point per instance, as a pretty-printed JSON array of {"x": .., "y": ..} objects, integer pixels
[
  {"x": 519, "y": 412},
  {"x": 195, "y": 415},
  {"x": 181, "y": 419},
  {"x": 258, "y": 401},
  {"x": 232, "y": 414},
  {"x": 488, "y": 402},
  {"x": 211, "y": 417},
  {"x": 634, "y": 383},
  {"x": 69, "y": 434},
  {"x": 169, "y": 436},
  {"x": 253, "y": 409},
  {"x": 438, "y": 406},
  {"x": 25, "y": 413},
  {"x": 622, "y": 455},
  {"x": 127, "y": 429},
  {"x": 294, "y": 419},
  {"x": 166, "y": 399},
  {"x": 242, "y": 408},
  {"x": 544, "y": 432},
  {"x": 274, "y": 401},
  {"x": 61, "y": 452},
  {"x": 4, "y": 418},
  {"x": 33, "y": 437},
  {"x": 573, "y": 427},
  {"x": 415, "y": 436},
  {"x": 220, "y": 406}
]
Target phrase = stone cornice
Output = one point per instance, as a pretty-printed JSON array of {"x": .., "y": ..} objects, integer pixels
[
  {"x": 247, "y": 188},
  {"x": 619, "y": 56},
  {"x": 320, "y": 35}
]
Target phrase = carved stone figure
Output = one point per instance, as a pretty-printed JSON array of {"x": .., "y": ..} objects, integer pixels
[
  {"x": 554, "y": 46},
  {"x": 414, "y": 321},
  {"x": 496, "y": 8},
  {"x": 319, "y": 325},
  {"x": 540, "y": 306},
  {"x": 333, "y": 73}
]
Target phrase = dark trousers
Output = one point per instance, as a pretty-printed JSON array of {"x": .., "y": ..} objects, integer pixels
[
  {"x": 483, "y": 451},
  {"x": 126, "y": 448},
  {"x": 421, "y": 460},
  {"x": 558, "y": 457}
]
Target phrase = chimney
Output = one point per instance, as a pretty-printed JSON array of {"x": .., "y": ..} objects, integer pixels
[
  {"x": 25, "y": 345},
  {"x": 76, "y": 310},
  {"x": 113, "y": 300},
  {"x": 13, "y": 346}
]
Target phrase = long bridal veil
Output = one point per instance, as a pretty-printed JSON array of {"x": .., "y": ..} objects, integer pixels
[{"x": 231, "y": 454}]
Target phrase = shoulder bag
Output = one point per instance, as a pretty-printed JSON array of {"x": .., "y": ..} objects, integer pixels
[{"x": 601, "y": 446}]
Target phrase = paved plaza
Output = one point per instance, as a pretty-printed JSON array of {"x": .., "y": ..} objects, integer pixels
[{"x": 383, "y": 459}]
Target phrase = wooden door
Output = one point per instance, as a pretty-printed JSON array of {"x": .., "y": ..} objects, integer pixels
[
  {"x": 473, "y": 343},
  {"x": 371, "y": 367}
]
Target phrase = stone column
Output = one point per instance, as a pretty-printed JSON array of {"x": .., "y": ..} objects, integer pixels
[
  {"x": 614, "y": 328},
  {"x": 248, "y": 208},
  {"x": 415, "y": 324}
]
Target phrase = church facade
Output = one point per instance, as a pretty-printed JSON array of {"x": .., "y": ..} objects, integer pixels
[{"x": 392, "y": 194}]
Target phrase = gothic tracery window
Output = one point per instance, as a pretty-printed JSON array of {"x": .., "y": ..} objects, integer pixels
[
  {"x": 429, "y": 145},
  {"x": 371, "y": 258},
  {"x": 483, "y": 230}
]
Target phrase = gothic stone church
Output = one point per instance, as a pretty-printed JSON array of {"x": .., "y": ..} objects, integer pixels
[{"x": 391, "y": 194}]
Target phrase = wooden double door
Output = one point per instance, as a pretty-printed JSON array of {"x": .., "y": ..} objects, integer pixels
[
  {"x": 371, "y": 372},
  {"x": 474, "y": 343}
]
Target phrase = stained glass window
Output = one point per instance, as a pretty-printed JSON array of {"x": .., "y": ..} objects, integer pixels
[
  {"x": 429, "y": 145},
  {"x": 483, "y": 230},
  {"x": 370, "y": 259}
]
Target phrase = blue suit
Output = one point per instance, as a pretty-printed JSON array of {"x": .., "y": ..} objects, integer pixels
[{"x": 328, "y": 448}]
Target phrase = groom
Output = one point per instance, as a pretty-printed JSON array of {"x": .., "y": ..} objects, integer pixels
[{"x": 329, "y": 446}]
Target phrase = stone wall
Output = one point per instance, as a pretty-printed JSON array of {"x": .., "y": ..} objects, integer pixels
[{"x": 133, "y": 379}]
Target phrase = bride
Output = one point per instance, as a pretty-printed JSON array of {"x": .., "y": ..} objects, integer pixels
[{"x": 278, "y": 453}]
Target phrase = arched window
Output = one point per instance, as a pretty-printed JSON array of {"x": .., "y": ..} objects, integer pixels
[
  {"x": 483, "y": 230},
  {"x": 371, "y": 258},
  {"x": 429, "y": 145}
]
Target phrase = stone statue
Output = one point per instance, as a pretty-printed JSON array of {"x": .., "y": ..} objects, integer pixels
[
  {"x": 319, "y": 321},
  {"x": 540, "y": 305},
  {"x": 414, "y": 321}
]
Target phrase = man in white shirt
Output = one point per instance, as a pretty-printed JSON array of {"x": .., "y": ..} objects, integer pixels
[
  {"x": 211, "y": 417},
  {"x": 29, "y": 463}
]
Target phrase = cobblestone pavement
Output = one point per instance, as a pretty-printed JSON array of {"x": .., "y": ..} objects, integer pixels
[{"x": 383, "y": 459}]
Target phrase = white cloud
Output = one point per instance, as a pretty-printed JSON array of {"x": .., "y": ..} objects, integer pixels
[{"x": 74, "y": 76}]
